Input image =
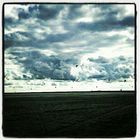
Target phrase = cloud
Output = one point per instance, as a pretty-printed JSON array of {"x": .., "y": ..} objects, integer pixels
[
  {"x": 8, "y": 21},
  {"x": 118, "y": 68},
  {"x": 59, "y": 37},
  {"x": 51, "y": 40},
  {"x": 12, "y": 10},
  {"x": 40, "y": 66},
  {"x": 22, "y": 14},
  {"x": 128, "y": 21},
  {"x": 107, "y": 24},
  {"x": 17, "y": 39},
  {"x": 74, "y": 11},
  {"x": 48, "y": 12},
  {"x": 36, "y": 65}
]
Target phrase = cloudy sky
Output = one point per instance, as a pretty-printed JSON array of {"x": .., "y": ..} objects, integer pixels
[{"x": 69, "y": 42}]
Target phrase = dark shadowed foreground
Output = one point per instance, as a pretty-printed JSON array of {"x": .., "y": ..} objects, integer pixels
[{"x": 97, "y": 114}]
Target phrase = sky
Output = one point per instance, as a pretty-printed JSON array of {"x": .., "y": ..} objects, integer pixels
[{"x": 69, "y": 42}]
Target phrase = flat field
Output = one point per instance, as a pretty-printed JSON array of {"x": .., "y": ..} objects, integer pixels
[{"x": 83, "y": 115}]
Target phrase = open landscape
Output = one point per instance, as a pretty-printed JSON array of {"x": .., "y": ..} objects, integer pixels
[
  {"x": 69, "y": 70},
  {"x": 73, "y": 114}
]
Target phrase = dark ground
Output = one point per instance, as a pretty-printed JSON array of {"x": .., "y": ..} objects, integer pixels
[{"x": 97, "y": 114}]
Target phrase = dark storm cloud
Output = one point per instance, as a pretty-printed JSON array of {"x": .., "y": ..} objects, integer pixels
[
  {"x": 9, "y": 23},
  {"x": 27, "y": 39},
  {"x": 59, "y": 37},
  {"x": 33, "y": 8},
  {"x": 107, "y": 25},
  {"x": 22, "y": 14},
  {"x": 128, "y": 21},
  {"x": 46, "y": 13},
  {"x": 41, "y": 66},
  {"x": 18, "y": 39},
  {"x": 43, "y": 12},
  {"x": 8, "y": 20}
]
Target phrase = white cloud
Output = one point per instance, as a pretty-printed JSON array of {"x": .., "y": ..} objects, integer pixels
[
  {"x": 102, "y": 68},
  {"x": 129, "y": 33},
  {"x": 11, "y": 10},
  {"x": 12, "y": 68},
  {"x": 128, "y": 10}
]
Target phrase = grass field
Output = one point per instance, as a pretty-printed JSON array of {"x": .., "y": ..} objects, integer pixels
[{"x": 97, "y": 114}]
